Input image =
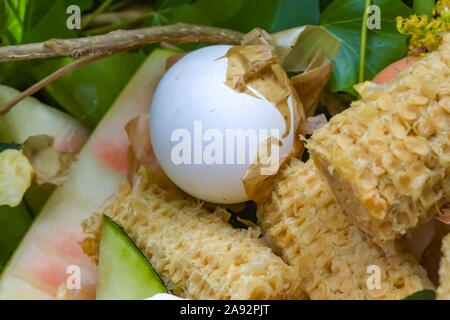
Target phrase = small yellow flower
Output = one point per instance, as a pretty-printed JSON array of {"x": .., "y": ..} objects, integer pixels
[{"x": 425, "y": 31}]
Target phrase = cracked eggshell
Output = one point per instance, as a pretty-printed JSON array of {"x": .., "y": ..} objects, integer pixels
[{"x": 193, "y": 91}]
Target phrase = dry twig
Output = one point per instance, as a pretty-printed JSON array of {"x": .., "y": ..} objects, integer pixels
[{"x": 118, "y": 41}]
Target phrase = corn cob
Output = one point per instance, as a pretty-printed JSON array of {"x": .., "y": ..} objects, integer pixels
[
  {"x": 443, "y": 292},
  {"x": 195, "y": 251},
  {"x": 310, "y": 230},
  {"x": 387, "y": 158}
]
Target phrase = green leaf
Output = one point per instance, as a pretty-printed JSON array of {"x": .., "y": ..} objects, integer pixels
[
  {"x": 45, "y": 20},
  {"x": 424, "y": 6},
  {"x": 23, "y": 21},
  {"x": 343, "y": 18},
  {"x": 12, "y": 17},
  {"x": 422, "y": 295},
  {"x": 296, "y": 46},
  {"x": 241, "y": 15},
  {"x": 294, "y": 13},
  {"x": 168, "y": 4},
  {"x": 14, "y": 222},
  {"x": 88, "y": 92},
  {"x": 83, "y": 4},
  {"x": 209, "y": 12},
  {"x": 39, "y": 21},
  {"x": 36, "y": 197},
  {"x": 274, "y": 16}
]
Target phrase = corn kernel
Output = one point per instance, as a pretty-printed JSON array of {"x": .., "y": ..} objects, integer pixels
[{"x": 418, "y": 145}]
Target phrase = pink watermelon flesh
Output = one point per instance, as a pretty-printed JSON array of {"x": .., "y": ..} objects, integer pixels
[{"x": 38, "y": 267}]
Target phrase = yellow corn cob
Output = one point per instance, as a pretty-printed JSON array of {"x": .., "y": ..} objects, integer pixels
[
  {"x": 387, "y": 158},
  {"x": 195, "y": 251},
  {"x": 334, "y": 258},
  {"x": 443, "y": 292}
]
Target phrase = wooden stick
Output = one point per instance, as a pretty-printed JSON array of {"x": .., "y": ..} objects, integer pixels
[{"x": 120, "y": 40}]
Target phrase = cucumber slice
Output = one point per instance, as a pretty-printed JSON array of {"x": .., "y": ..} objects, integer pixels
[{"x": 124, "y": 272}]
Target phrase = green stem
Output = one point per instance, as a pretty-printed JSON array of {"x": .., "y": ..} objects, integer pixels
[
  {"x": 99, "y": 10},
  {"x": 362, "y": 55},
  {"x": 423, "y": 6},
  {"x": 118, "y": 25}
]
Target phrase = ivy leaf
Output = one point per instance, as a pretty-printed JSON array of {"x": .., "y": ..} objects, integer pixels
[
  {"x": 343, "y": 18},
  {"x": 294, "y": 13},
  {"x": 241, "y": 15},
  {"x": 274, "y": 16},
  {"x": 424, "y": 6},
  {"x": 422, "y": 295}
]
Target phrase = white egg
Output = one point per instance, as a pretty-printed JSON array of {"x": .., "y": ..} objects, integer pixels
[{"x": 194, "y": 118}]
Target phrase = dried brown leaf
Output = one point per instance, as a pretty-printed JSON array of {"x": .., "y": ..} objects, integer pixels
[
  {"x": 140, "y": 151},
  {"x": 444, "y": 214},
  {"x": 425, "y": 242},
  {"x": 258, "y": 36},
  {"x": 295, "y": 47},
  {"x": 50, "y": 166},
  {"x": 432, "y": 255},
  {"x": 336, "y": 102},
  {"x": 254, "y": 65},
  {"x": 174, "y": 59},
  {"x": 313, "y": 123},
  {"x": 311, "y": 83},
  {"x": 257, "y": 186}
]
